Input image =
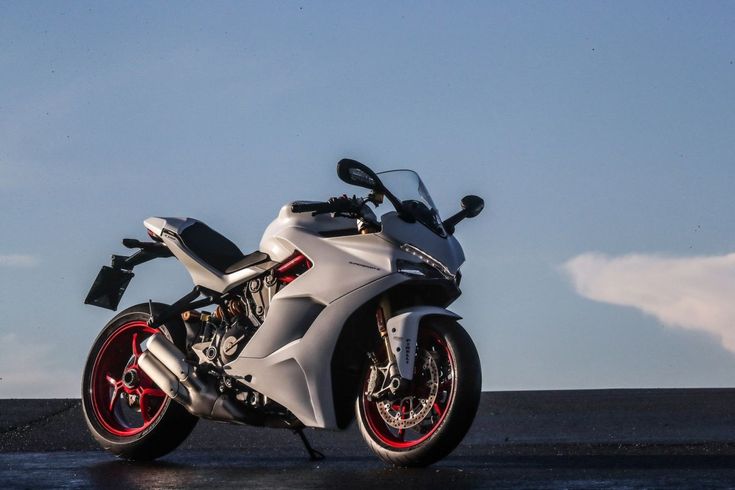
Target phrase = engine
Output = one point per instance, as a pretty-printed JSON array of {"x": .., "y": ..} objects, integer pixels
[{"x": 218, "y": 338}]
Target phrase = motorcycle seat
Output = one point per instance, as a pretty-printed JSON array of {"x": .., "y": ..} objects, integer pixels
[
  {"x": 248, "y": 260},
  {"x": 216, "y": 250}
]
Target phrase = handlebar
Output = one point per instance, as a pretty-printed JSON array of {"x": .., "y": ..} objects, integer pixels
[
  {"x": 316, "y": 207},
  {"x": 342, "y": 204}
]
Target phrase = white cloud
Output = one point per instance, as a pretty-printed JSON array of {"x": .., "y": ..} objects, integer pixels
[
  {"x": 18, "y": 260},
  {"x": 27, "y": 370},
  {"x": 696, "y": 293}
]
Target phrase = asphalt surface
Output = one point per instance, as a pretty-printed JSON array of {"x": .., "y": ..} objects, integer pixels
[{"x": 544, "y": 439}]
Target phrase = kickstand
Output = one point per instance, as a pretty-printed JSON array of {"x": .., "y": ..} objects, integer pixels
[{"x": 314, "y": 455}]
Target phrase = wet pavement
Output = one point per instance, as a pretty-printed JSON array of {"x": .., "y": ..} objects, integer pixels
[
  {"x": 223, "y": 469},
  {"x": 552, "y": 439}
]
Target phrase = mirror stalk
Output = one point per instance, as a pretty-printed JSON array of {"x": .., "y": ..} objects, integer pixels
[
  {"x": 471, "y": 207},
  {"x": 452, "y": 221}
]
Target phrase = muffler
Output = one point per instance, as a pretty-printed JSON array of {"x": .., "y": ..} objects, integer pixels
[{"x": 165, "y": 364}]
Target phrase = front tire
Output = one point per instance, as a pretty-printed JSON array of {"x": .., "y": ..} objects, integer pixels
[
  {"x": 433, "y": 415},
  {"x": 125, "y": 411}
]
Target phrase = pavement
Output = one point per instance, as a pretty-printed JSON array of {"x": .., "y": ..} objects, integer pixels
[{"x": 650, "y": 438}]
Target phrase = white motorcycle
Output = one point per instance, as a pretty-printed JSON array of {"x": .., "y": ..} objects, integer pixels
[{"x": 337, "y": 315}]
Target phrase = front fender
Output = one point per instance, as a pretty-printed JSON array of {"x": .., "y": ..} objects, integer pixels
[{"x": 403, "y": 329}]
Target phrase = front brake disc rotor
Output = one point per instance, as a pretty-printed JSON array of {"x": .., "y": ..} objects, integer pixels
[{"x": 412, "y": 409}]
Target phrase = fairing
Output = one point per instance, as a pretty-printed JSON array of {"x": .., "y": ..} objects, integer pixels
[
  {"x": 287, "y": 359},
  {"x": 446, "y": 250}
]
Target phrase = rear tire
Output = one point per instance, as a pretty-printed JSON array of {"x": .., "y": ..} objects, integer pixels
[
  {"x": 437, "y": 432},
  {"x": 125, "y": 411}
]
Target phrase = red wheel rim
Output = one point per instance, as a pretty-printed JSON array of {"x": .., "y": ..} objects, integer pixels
[
  {"x": 411, "y": 437},
  {"x": 124, "y": 400}
]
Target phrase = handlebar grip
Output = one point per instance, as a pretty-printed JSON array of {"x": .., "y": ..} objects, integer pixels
[{"x": 316, "y": 207}]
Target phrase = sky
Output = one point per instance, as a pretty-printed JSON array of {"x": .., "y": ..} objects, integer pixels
[{"x": 599, "y": 133}]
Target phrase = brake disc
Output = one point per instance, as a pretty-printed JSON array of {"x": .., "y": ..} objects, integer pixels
[{"x": 412, "y": 409}]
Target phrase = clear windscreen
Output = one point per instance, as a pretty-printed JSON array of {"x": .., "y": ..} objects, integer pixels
[{"x": 407, "y": 187}]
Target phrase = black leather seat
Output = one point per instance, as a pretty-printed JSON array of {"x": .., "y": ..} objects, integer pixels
[{"x": 216, "y": 250}]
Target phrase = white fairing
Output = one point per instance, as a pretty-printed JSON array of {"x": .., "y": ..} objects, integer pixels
[
  {"x": 279, "y": 248},
  {"x": 447, "y": 250},
  {"x": 347, "y": 272},
  {"x": 288, "y": 359}
]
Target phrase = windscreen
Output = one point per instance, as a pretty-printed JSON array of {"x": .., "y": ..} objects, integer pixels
[{"x": 408, "y": 188}]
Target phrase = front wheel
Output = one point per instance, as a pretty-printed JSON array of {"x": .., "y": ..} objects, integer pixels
[
  {"x": 125, "y": 411},
  {"x": 429, "y": 418}
]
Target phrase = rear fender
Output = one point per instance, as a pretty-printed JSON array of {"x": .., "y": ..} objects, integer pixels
[{"x": 403, "y": 329}]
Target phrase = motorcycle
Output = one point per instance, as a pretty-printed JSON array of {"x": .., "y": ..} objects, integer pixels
[{"x": 338, "y": 316}]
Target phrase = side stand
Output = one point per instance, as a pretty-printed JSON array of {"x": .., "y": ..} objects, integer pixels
[{"x": 314, "y": 455}]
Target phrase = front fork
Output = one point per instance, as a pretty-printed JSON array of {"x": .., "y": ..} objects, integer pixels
[
  {"x": 389, "y": 375},
  {"x": 381, "y": 313}
]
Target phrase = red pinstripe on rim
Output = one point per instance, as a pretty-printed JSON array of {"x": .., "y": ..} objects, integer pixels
[
  {"x": 125, "y": 408},
  {"x": 408, "y": 438}
]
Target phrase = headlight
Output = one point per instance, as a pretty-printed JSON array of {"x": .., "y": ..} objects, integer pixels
[
  {"x": 418, "y": 269},
  {"x": 415, "y": 268}
]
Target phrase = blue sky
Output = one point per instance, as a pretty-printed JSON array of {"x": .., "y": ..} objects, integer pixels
[{"x": 601, "y": 128}]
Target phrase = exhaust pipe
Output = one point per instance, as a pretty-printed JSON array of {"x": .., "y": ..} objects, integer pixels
[
  {"x": 164, "y": 363},
  {"x": 163, "y": 378}
]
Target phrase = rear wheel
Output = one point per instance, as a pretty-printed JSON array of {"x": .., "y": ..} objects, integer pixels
[
  {"x": 429, "y": 418},
  {"x": 125, "y": 411}
]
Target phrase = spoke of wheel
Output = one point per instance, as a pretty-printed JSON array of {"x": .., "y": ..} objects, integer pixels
[
  {"x": 437, "y": 409},
  {"x": 115, "y": 396},
  {"x": 143, "y": 406},
  {"x": 117, "y": 386},
  {"x": 143, "y": 397},
  {"x": 136, "y": 348}
]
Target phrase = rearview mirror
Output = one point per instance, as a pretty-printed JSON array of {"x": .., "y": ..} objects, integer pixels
[
  {"x": 355, "y": 173},
  {"x": 472, "y": 205}
]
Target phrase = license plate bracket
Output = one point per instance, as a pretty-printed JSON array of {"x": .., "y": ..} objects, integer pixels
[{"x": 108, "y": 287}]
